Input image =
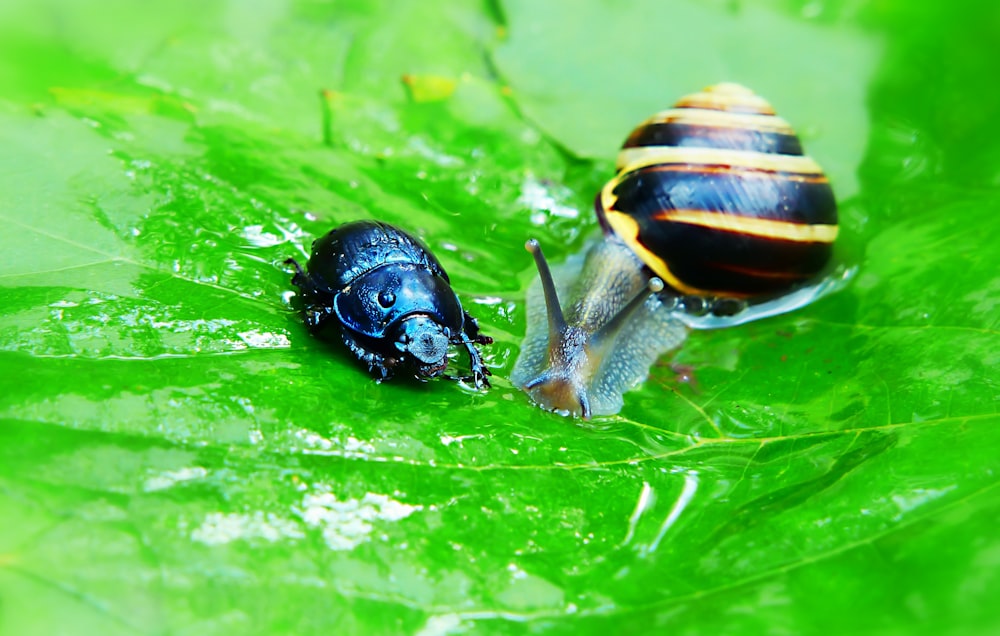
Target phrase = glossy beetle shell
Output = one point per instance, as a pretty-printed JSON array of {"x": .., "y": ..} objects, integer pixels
[
  {"x": 390, "y": 299},
  {"x": 716, "y": 197},
  {"x": 354, "y": 249}
]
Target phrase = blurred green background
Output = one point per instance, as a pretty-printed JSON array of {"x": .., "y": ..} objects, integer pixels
[{"x": 178, "y": 456}]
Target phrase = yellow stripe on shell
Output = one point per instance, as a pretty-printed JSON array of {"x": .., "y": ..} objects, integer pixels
[
  {"x": 726, "y": 96},
  {"x": 722, "y": 119},
  {"x": 735, "y": 171},
  {"x": 627, "y": 228},
  {"x": 630, "y": 159},
  {"x": 766, "y": 228}
]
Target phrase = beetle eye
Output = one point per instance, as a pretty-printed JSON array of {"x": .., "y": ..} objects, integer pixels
[{"x": 386, "y": 298}]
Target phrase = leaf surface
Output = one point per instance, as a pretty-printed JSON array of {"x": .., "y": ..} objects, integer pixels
[{"x": 178, "y": 455}]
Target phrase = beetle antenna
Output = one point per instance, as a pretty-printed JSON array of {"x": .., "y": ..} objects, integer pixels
[
  {"x": 479, "y": 339},
  {"x": 655, "y": 285},
  {"x": 557, "y": 323}
]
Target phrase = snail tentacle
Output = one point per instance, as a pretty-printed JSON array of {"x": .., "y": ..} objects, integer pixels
[
  {"x": 613, "y": 326},
  {"x": 557, "y": 322}
]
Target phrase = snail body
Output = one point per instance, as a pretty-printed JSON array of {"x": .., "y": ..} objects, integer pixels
[
  {"x": 614, "y": 327},
  {"x": 715, "y": 217}
]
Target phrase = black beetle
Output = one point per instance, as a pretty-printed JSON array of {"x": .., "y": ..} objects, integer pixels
[{"x": 391, "y": 298}]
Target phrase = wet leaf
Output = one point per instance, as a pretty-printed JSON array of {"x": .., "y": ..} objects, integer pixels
[{"x": 178, "y": 455}]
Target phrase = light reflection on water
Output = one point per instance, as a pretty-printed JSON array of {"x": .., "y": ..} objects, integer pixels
[
  {"x": 97, "y": 326},
  {"x": 545, "y": 200},
  {"x": 219, "y": 528},
  {"x": 347, "y": 523},
  {"x": 170, "y": 478},
  {"x": 913, "y": 499},
  {"x": 645, "y": 509},
  {"x": 681, "y": 503},
  {"x": 343, "y": 524},
  {"x": 259, "y": 237},
  {"x": 644, "y": 501}
]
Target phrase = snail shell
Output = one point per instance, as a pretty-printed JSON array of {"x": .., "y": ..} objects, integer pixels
[
  {"x": 717, "y": 199},
  {"x": 715, "y": 212}
]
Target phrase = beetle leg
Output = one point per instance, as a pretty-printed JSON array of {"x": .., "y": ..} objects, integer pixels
[
  {"x": 377, "y": 366},
  {"x": 471, "y": 328},
  {"x": 316, "y": 313},
  {"x": 381, "y": 367},
  {"x": 479, "y": 370},
  {"x": 316, "y": 317},
  {"x": 300, "y": 279}
]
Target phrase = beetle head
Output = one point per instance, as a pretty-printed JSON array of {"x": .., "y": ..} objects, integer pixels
[{"x": 426, "y": 342}]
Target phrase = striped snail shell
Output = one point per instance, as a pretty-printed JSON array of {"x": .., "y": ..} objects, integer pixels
[
  {"x": 714, "y": 210},
  {"x": 716, "y": 198}
]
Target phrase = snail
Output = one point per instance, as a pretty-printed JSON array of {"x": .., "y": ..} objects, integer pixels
[
  {"x": 391, "y": 300},
  {"x": 714, "y": 218}
]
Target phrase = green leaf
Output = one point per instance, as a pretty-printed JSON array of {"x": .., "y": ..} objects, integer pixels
[
  {"x": 179, "y": 456},
  {"x": 636, "y": 60}
]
